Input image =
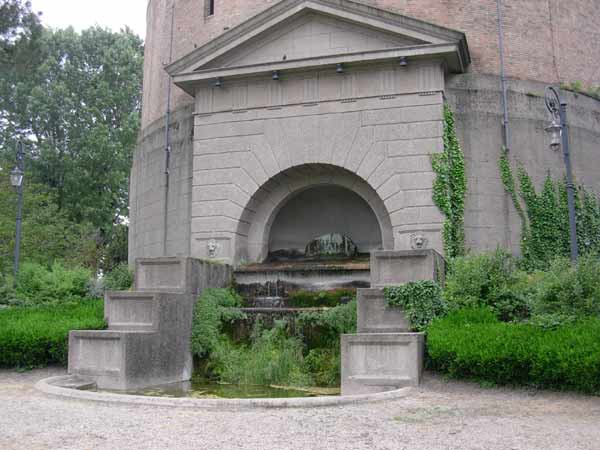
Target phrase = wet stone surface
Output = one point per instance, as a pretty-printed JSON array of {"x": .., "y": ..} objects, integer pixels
[{"x": 331, "y": 245}]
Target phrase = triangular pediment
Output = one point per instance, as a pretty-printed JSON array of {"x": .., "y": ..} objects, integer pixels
[
  {"x": 311, "y": 35},
  {"x": 308, "y": 33}
]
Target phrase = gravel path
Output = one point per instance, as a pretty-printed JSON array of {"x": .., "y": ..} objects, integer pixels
[{"x": 439, "y": 415}]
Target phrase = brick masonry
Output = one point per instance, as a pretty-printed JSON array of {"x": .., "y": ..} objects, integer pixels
[
  {"x": 546, "y": 40},
  {"x": 207, "y": 180}
]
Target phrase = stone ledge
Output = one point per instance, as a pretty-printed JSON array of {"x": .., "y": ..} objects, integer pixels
[{"x": 52, "y": 386}]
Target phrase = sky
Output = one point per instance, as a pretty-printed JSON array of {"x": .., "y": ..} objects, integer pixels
[{"x": 80, "y": 14}]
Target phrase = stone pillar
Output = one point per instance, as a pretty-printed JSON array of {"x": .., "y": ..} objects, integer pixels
[
  {"x": 148, "y": 337},
  {"x": 385, "y": 355}
]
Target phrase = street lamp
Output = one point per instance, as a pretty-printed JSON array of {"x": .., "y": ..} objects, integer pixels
[
  {"x": 559, "y": 135},
  {"x": 16, "y": 179}
]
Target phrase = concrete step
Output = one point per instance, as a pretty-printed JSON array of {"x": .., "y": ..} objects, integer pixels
[
  {"x": 265, "y": 302},
  {"x": 380, "y": 362},
  {"x": 395, "y": 381},
  {"x": 375, "y": 316},
  {"x": 172, "y": 274},
  {"x": 147, "y": 342},
  {"x": 134, "y": 311},
  {"x": 280, "y": 310}
]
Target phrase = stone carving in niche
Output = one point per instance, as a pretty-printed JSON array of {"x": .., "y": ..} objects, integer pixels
[
  {"x": 213, "y": 248},
  {"x": 418, "y": 241}
]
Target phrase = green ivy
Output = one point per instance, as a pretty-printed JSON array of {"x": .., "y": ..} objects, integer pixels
[
  {"x": 545, "y": 217},
  {"x": 450, "y": 187},
  {"x": 578, "y": 88},
  {"x": 421, "y": 302}
]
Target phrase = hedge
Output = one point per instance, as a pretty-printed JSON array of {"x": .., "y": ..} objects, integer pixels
[
  {"x": 33, "y": 337},
  {"x": 472, "y": 343}
]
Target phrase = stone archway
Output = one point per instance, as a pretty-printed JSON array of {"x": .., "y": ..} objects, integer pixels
[{"x": 272, "y": 205}]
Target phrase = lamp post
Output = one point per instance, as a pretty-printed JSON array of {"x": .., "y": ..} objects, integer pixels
[
  {"x": 16, "y": 179},
  {"x": 559, "y": 135}
]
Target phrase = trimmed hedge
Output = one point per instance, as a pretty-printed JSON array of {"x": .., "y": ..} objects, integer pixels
[
  {"x": 472, "y": 343},
  {"x": 33, "y": 337}
]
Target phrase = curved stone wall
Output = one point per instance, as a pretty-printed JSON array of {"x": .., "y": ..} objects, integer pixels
[
  {"x": 475, "y": 97},
  {"x": 372, "y": 229},
  {"x": 546, "y": 40},
  {"x": 490, "y": 218}
]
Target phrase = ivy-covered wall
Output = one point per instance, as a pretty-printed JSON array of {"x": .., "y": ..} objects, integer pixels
[
  {"x": 450, "y": 186},
  {"x": 545, "y": 216},
  {"x": 490, "y": 219}
]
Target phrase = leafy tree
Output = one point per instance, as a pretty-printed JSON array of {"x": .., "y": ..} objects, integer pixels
[
  {"x": 47, "y": 234},
  {"x": 17, "y": 21},
  {"x": 81, "y": 107},
  {"x": 74, "y": 98}
]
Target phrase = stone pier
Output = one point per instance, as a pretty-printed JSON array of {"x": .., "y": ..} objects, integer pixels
[
  {"x": 384, "y": 355},
  {"x": 148, "y": 337}
]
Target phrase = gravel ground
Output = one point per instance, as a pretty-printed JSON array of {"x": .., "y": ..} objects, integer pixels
[{"x": 439, "y": 415}]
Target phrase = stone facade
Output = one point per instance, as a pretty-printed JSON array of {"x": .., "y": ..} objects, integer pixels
[
  {"x": 254, "y": 146},
  {"x": 551, "y": 41}
]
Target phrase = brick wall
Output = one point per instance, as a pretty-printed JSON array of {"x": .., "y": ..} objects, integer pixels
[{"x": 546, "y": 40}]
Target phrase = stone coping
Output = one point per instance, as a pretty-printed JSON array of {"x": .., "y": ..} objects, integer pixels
[{"x": 49, "y": 386}]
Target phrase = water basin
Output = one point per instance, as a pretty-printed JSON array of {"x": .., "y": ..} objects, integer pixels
[{"x": 202, "y": 388}]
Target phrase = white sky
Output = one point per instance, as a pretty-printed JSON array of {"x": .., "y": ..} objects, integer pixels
[{"x": 80, "y": 14}]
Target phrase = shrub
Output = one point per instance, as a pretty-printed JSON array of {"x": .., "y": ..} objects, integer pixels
[
  {"x": 308, "y": 299},
  {"x": 327, "y": 326},
  {"x": 279, "y": 355},
  {"x": 488, "y": 279},
  {"x": 32, "y": 337},
  {"x": 38, "y": 284},
  {"x": 120, "y": 278},
  {"x": 324, "y": 366},
  {"x": 421, "y": 302},
  {"x": 211, "y": 310},
  {"x": 472, "y": 343},
  {"x": 566, "y": 291},
  {"x": 273, "y": 358}
]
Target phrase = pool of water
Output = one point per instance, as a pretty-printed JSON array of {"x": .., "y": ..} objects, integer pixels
[{"x": 202, "y": 388}]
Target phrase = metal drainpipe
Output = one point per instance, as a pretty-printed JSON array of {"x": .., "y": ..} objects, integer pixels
[
  {"x": 503, "y": 81},
  {"x": 505, "y": 122},
  {"x": 168, "y": 140}
]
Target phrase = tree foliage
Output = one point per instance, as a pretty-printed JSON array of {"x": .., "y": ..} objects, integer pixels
[
  {"x": 17, "y": 22},
  {"x": 79, "y": 108},
  {"x": 47, "y": 233},
  {"x": 74, "y": 99}
]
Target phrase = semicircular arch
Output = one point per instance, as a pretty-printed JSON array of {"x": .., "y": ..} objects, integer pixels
[{"x": 263, "y": 207}]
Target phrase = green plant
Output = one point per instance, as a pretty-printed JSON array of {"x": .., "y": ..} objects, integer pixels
[
  {"x": 567, "y": 291},
  {"x": 273, "y": 358},
  {"x": 38, "y": 284},
  {"x": 545, "y": 218},
  {"x": 328, "y": 325},
  {"x": 308, "y": 299},
  {"x": 323, "y": 364},
  {"x": 450, "y": 187},
  {"x": 474, "y": 344},
  {"x": 212, "y": 308},
  {"x": 579, "y": 88},
  {"x": 489, "y": 279},
  {"x": 305, "y": 354},
  {"x": 120, "y": 278},
  {"x": 421, "y": 302},
  {"x": 38, "y": 336}
]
